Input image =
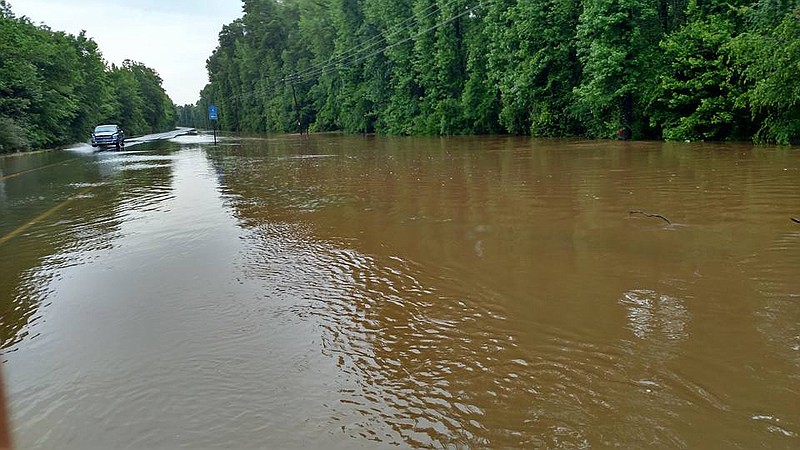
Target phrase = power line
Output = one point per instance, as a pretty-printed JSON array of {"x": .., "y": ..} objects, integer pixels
[
  {"x": 369, "y": 43},
  {"x": 403, "y": 41},
  {"x": 373, "y": 41},
  {"x": 333, "y": 62}
]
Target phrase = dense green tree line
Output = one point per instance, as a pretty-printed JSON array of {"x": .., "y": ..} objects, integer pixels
[
  {"x": 648, "y": 69},
  {"x": 55, "y": 87}
]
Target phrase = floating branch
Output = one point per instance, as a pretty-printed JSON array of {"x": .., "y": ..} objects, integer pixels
[
  {"x": 645, "y": 213},
  {"x": 796, "y": 219}
]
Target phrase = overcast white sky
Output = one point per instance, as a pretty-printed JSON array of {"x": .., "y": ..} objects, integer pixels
[{"x": 174, "y": 37}]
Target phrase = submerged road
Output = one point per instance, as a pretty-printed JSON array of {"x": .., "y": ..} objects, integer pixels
[
  {"x": 181, "y": 131},
  {"x": 172, "y": 134},
  {"x": 362, "y": 291}
]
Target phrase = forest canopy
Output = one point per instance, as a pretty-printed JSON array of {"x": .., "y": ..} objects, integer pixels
[
  {"x": 683, "y": 70},
  {"x": 55, "y": 87}
]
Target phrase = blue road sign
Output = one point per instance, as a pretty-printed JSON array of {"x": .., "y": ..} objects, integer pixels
[{"x": 212, "y": 113}]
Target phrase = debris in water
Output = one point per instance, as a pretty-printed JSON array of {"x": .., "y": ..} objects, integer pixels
[{"x": 645, "y": 213}]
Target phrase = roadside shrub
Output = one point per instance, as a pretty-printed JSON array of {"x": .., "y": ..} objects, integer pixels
[{"x": 12, "y": 136}]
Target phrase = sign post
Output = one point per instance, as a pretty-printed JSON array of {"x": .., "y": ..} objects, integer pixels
[{"x": 212, "y": 116}]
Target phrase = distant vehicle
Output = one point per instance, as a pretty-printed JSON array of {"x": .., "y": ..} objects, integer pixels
[{"x": 105, "y": 135}]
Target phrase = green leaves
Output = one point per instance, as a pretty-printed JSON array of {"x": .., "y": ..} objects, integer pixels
[
  {"x": 698, "y": 88},
  {"x": 617, "y": 46},
  {"x": 769, "y": 59},
  {"x": 55, "y": 87},
  {"x": 673, "y": 69}
]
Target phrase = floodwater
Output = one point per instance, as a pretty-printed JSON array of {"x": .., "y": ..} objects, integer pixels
[{"x": 370, "y": 292}]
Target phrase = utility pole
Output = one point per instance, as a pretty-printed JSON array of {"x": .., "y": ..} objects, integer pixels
[{"x": 296, "y": 109}]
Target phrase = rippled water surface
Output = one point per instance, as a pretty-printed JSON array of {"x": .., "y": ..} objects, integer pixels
[{"x": 338, "y": 292}]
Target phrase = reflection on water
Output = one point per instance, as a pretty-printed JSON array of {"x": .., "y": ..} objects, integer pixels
[
  {"x": 654, "y": 316},
  {"x": 334, "y": 291}
]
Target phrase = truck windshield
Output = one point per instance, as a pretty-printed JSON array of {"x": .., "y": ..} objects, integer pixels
[{"x": 105, "y": 129}]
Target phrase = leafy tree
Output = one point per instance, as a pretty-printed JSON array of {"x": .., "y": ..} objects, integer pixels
[
  {"x": 480, "y": 99},
  {"x": 618, "y": 48},
  {"x": 534, "y": 57},
  {"x": 20, "y": 85},
  {"x": 404, "y": 90},
  {"x": 769, "y": 56},
  {"x": 677, "y": 69},
  {"x": 54, "y": 87},
  {"x": 156, "y": 108},
  {"x": 699, "y": 87},
  {"x": 94, "y": 93}
]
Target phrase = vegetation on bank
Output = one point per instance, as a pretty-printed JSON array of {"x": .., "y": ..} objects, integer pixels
[
  {"x": 649, "y": 69},
  {"x": 55, "y": 87}
]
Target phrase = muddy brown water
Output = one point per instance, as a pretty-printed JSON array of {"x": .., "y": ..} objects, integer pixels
[{"x": 365, "y": 292}]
